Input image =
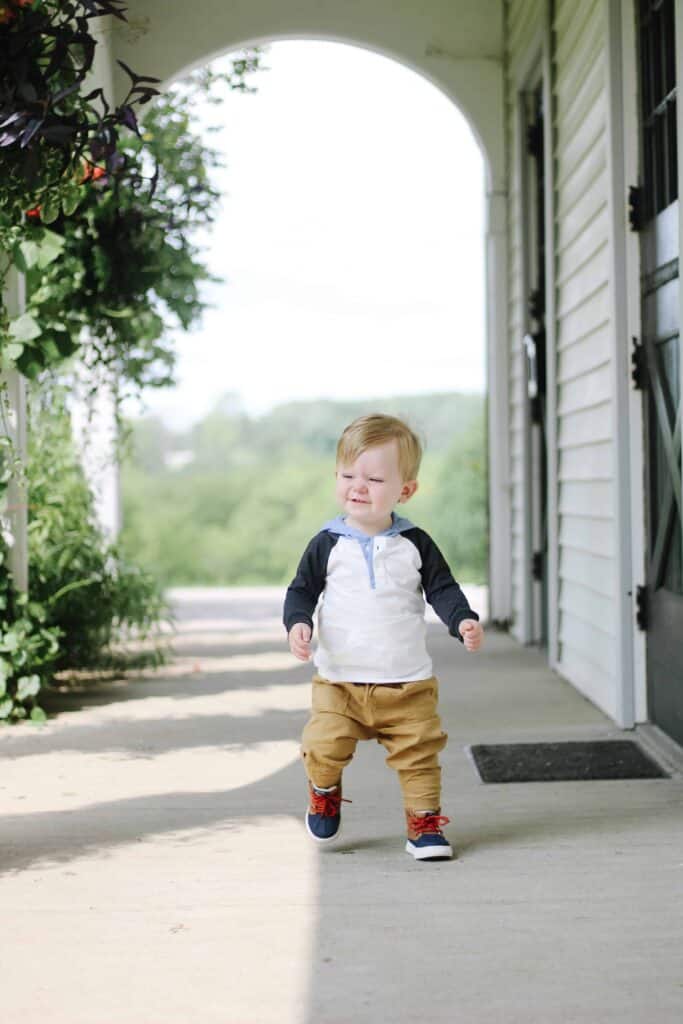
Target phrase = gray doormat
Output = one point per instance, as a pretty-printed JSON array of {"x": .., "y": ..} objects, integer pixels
[{"x": 564, "y": 762}]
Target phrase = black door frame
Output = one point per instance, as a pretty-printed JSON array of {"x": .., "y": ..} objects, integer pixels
[{"x": 658, "y": 369}]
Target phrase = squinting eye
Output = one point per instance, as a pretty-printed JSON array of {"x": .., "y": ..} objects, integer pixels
[
  {"x": 375, "y": 480},
  {"x": 346, "y": 476}
]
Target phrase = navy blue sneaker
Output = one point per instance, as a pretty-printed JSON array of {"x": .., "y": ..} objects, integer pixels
[
  {"x": 426, "y": 841},
  {"x": 323, "y": 817}
]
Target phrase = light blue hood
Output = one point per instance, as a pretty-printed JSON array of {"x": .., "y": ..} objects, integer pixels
[{"x": 339, "y": 526}]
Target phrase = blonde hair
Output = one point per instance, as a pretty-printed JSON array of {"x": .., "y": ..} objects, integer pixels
[{"x": 370, "y": 431}]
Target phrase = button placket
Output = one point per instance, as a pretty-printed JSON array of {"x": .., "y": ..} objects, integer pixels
[{"x": 379, "y": 547}]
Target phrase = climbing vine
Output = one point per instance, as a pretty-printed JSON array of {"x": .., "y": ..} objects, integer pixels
[
  {"x": 55, "y": 134},
  {"x": 97, "y": 212}
]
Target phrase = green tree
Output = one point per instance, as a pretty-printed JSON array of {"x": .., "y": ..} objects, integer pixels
[{"x": 257, "y": 489}]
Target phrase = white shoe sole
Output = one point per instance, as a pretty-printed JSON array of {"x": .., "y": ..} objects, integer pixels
[
  {"x": 317, "y": 839},
  {"x": 429, "y": 852}
]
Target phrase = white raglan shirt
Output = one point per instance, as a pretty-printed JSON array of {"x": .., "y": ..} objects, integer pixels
[{"x": 370, "y": 597}]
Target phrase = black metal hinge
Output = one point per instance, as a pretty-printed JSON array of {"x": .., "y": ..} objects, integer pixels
[
  {"x": 638, "y": 365},
  {"x": 636, "y": 203},
  {"x": 537, "y": 566},
  {"x": 641, "y": 608}
]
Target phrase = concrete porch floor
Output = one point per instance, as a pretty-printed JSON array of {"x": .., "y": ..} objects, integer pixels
[{"x": 154, "y": 866}]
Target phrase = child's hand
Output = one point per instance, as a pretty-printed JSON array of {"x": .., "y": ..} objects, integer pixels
[
  {"x": 300, "y": 641},
  {"x": 472, "y": 634}
]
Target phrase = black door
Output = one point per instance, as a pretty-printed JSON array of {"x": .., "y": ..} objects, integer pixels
[
  {"x": 660, "y": 368},
  {"x": 535, "y": 350}
]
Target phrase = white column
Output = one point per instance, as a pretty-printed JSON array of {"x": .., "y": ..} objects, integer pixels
[
  {"x": 13, "y": 424},
  {"x": 498, "y": 407},
  {"x": 94, "y": 428},
  {"x": 95, "y": 435}
]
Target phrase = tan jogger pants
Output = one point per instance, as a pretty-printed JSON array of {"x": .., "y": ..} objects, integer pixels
[{"x": 402, "y": 717}]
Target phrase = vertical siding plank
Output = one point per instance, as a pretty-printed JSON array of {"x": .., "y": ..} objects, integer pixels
[{"x": 582, "y": 325}]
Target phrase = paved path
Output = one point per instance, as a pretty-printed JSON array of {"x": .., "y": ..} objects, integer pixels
[{"x": 154, "y": 866}]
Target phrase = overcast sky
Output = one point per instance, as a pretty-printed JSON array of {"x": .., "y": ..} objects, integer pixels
[{"x": 350, "y": 238}]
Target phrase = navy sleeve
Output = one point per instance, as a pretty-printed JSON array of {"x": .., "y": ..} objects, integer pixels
[
  {"x": 306, "y": 587},
  {"x": 441, "y": 590}
]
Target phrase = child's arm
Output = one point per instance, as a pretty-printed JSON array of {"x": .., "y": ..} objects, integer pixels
[
  {"x": 303, "y": 593},
  {"x": 444, "y": 593}
]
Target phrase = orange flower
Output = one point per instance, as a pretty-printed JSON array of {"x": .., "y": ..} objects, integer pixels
[
  {"x": 6, "y": 12},
  {"x": 91, "y": 172}
]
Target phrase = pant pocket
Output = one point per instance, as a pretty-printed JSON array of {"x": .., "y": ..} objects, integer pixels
[{"x": 331, "y": 697}]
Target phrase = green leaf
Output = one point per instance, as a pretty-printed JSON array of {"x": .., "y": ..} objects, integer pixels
[
  {"x": 71, "y": 199},
  {"x": 24, "y": 328},
  {"x": 26, "y": 255},
  {"x": 51, "y": 352},
  {"x": 27, "y": 686},
  {"x": 9, "y": 642},
  {"x": 49, "y": 210},
  {"x": 38, "y": 715},
  {"x": 30, "y": 367},
  {"x": 6, "y": 707},
  {"x": 12, "y": 351},
  {"x": 51, "y": 247},
  {"x": 35, "y": 609}
]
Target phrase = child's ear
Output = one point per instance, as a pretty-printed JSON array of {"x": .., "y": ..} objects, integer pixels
[{"x": 408, "y": 490}]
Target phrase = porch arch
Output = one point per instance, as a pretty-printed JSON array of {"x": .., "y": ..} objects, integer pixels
[
  {"x": 454, "y": 44},
  {"x": 457, "y": 46}
]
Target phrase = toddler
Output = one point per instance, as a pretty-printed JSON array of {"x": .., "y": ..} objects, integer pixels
[{"x": 372, "y": 570}]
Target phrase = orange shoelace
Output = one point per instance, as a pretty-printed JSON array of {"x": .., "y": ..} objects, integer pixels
[
  {"x": 326, "y": 804},
  {"x": 427, "y": 824}
]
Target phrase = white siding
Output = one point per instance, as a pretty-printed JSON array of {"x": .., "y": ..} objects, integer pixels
[
  {"x": 584, "y": 459},
  {"x": 586, "y": 527}
]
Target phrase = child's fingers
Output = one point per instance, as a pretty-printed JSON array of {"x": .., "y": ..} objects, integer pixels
[
  {"x": 300, "y": 633},
  {"x": 299, "y": 641}
]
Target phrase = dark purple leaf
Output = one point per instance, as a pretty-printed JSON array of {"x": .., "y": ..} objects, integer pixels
[
  {"x": 127, "y": 117},
  {"x": 97, "y": 8},
  {"x": 16, "y": 116},
  {"x": 94, "y": 95},
  {"x": 137, "y": 78},
  {"x": 30, "y": 130},
  {"x": 63, "y": 93}
]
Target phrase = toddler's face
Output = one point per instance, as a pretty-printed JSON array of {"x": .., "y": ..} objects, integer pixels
[{"x": 368, "y": 489}]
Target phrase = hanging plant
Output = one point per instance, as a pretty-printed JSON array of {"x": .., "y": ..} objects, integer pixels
[
  {"x": 49, "y": 124},
  {"x": 117, "y": 277}
]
